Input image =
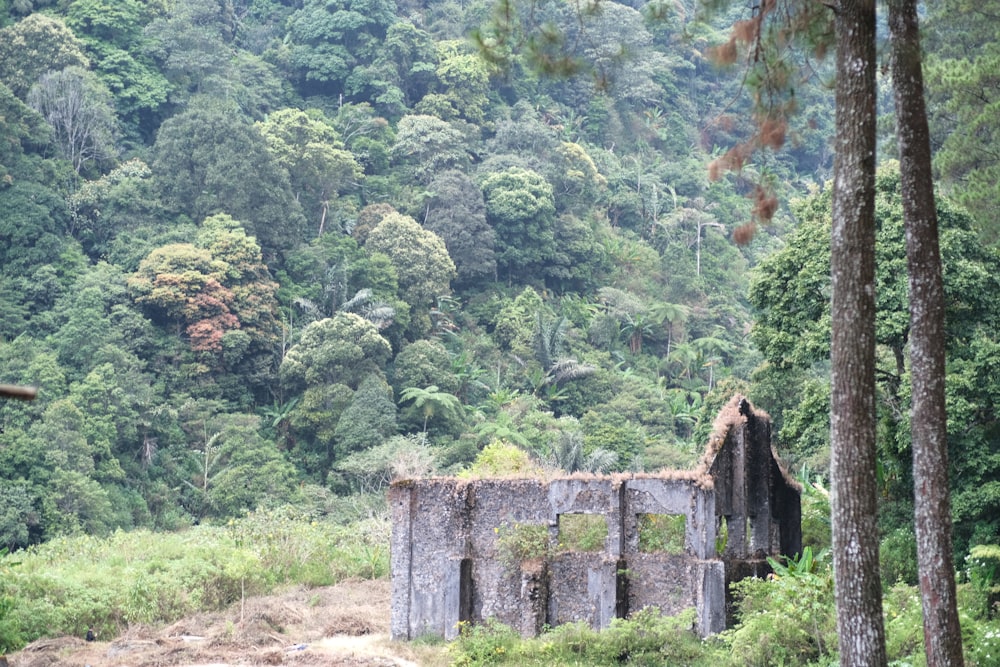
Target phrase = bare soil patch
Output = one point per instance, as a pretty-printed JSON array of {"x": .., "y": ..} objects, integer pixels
[{"x": 346, "y": 625}]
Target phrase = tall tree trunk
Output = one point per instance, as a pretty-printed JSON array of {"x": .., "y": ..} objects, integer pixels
[
  {"x": 942, "y": 633},
  {"x": 858, "y": 589}
]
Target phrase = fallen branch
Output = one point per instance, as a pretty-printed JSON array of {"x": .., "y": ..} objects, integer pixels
[{"x": 18, "y": 392}]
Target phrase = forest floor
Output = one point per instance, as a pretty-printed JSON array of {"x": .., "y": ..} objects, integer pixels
[{"x": 346, "y": 625}]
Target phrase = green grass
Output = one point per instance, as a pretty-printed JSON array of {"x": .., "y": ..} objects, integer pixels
[{"x": 69, "y": 584}]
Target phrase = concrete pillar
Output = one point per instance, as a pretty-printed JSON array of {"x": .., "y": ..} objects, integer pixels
[
  {"x": 602, "y": 589},
  {"x": 400, "y": 505},
  {"x": 710, "y": 597},
  {"x": 702, "y": 524},
  {"x": 451, "y": 599}
]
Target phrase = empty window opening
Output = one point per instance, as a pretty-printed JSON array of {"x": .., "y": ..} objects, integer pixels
[
  {"x": 721, "y": 536},
  {"x": 521, "y": 542},
  {"x": 662, "y": 533},
  {"x": 582, "y": 532}
]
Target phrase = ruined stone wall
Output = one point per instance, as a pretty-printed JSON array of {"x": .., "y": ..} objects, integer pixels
[
  {"x": 758, "y": 506},
  {"x": 693, "y": 576},
  {"x": 469, "y": 550},
  {"x": 497, "y": 588},
  {"x": 454, "y": 563},
  {"x": 428, "y": 546}
]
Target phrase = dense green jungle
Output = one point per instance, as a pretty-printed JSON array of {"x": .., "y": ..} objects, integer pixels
[{"x": 260, "y": 256}]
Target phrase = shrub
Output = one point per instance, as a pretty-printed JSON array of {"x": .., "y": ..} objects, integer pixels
[
  {"x": 502, "y": 459},
  {"x": 982, "y": 569},
  {"x": 647, "y": 638},
  {"x": 815, "y": 513},
  {"x": 982, "y": 642},
  {"x": 788, "y": 619},
  {"x": 904, "y": 624},
  {"x": 10, "y": 635},
  {"x": 898, "y": 557},
  {"x": 488, "y": 644}
]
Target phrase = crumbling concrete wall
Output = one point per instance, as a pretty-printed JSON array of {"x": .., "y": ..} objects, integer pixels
[
  {"x": 674, "y": 582},
  {"x": 584, "y": 586},
  {"x": 428, "y": 547},
  {"x": 501, "y": 588},
  {"x": 757, "y": 504},
  {"x": 450, "y": 562},
  {"x": 469, "y": 550}
]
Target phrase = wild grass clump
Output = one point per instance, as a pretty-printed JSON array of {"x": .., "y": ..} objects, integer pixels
[
  {"x": 10, "y": 633},
  {"x": 293, "y": 548},
  {"x": 646, "y": 638},
  {"x": 491, "y": 643},
  {"x": 71, "y": 583}
]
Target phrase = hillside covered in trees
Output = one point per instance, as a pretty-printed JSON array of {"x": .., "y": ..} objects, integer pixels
[{"x": 259, "y": 252}]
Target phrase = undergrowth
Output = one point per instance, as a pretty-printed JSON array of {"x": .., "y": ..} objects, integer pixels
[
  {"x": 647, "y": 638},
  {"x": 69, "y": 584},
  {"x": 73, "y": 583},
  {"x": 786, "y": 620}
]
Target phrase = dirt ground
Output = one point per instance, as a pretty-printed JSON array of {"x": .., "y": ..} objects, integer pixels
[{"x": 346, "y": 625}]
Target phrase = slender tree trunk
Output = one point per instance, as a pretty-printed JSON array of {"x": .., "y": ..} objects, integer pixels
[
  {"x": 322, "y": 219},
  {"x": 858, "y": 590},
  {"x": 942, "y": 633},
  {"x": 698, "y": 252}
]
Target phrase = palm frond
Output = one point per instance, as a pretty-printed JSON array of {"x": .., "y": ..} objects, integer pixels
[
  {"x": 566, "y": 369},
  {"x": 358, "y": 301}
]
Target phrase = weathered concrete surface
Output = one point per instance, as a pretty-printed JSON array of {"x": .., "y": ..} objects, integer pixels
[
  {"x": 453, "y": 559},
  {"x": 678, "y": 497},
  {"x": 495, "y": 506},
  {"x": 760, "y": 503},
  {"x": 583, "y": 588},
  {"x": 428, "y": 545}
]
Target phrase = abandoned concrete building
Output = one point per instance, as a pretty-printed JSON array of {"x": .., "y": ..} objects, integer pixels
[{"x": 538, "y": 552}]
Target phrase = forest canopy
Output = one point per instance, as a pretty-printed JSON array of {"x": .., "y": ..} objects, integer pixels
[{"x": 254, "y": 253}]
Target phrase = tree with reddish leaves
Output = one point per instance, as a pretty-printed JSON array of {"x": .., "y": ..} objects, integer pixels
[
  {"x": 176, "y": 282},
  {"x": 217, "y": 292}
]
